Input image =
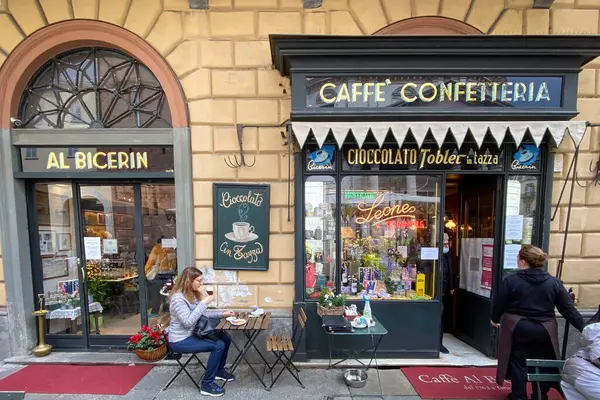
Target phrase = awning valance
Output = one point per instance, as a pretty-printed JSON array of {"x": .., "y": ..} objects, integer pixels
[{"x": 478, "y": 129}]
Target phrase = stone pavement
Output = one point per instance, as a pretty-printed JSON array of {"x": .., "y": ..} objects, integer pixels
[{"x": 318, "y": 382}]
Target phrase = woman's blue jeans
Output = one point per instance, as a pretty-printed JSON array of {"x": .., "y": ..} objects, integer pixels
[{"x": 218, "y": 353}]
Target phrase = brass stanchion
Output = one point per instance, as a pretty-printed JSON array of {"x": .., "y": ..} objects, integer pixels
[{"x": 42, "y": 349}]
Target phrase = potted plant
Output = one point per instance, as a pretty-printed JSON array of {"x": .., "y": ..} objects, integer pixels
[
  {"x": 150, "y": 344},
  {"x": 330, "y": 304}
]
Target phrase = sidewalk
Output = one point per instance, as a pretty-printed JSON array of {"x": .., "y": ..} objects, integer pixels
[{"x": 319, "y": 383}]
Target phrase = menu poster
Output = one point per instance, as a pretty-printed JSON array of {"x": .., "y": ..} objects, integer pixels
[
  {"x": 487, "y": 265},
  {"x": 514, "y": 227},
  {"x": 510, "y": 256},
  {"x": 92, "y": 248},
  {"x": 241, "y": 226}
]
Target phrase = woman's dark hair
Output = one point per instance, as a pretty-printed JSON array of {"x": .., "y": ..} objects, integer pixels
[{"x": 534, "y": 256}]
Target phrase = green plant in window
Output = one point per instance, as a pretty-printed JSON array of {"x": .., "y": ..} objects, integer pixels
[
  {"x": 328, "y": 299},
  {"x": 100, "y": 290}
]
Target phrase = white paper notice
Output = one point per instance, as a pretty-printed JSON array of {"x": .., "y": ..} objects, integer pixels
[
  {"x": 429, "y": 253},
  {"x": 510, "y": 255},
  {"x": 403, "y": 251},
  {"x": 169, "y": 243},
  {"x": 514, "y": 227},
  {"x": 513, "y": 197},
  {"x": 110, "y": 246},
  {"x": 93, "y": 248}
]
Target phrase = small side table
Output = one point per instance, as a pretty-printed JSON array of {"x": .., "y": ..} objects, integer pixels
[{"x": 378, "y": 331}]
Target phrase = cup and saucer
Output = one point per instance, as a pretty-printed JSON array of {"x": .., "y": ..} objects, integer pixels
[
  {"x": 359, "y": 323},
  {"x": 242, "y": 232}
]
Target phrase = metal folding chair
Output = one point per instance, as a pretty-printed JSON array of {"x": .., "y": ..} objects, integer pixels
[
  {"x": 183, "y": 368},
  {"x": 284, "y": 348}
]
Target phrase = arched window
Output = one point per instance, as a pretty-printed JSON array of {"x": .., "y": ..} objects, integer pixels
[{"x": 94, "y": 88}]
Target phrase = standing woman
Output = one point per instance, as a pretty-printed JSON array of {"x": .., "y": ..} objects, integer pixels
[
  {"x": 526, "y": 302},
  {"x": 188, "y": 304}
]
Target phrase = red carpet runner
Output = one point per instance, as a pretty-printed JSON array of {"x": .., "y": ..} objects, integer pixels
[
  {"x": 75, "y": 379},
  {"x": 460, "y": 383}
]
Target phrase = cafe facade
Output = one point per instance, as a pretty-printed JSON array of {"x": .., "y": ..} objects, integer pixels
[{"x": 286, "y": 147}]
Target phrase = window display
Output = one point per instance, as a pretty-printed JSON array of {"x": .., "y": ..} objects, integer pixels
[
  {"x": 319, "y": 234},
  {"x": 389, "y": 236}
]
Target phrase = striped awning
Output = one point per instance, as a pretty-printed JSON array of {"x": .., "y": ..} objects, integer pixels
[{"x": 499, "y": 130}]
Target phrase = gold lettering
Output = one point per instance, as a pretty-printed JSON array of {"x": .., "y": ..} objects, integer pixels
[
  {"x": 379, "y": 92},
  {"x": 370, "y": 156},
  {"x": 362, "y": 156},
  {"x": 326, "y": 100},
  {"x": 452, "y": 159},
  {"x": 80, "y": 160},
  {"x": 52, "y": 161},
  {"x": 377, "y": 156},
  {"x": 459, "y": 89},
  {"x": 112, "y": 160},
  {"x": 123, "y": 160},
  {"x": 520, "y": 90},
  {"x": 433, "y": 90},
  {"x": 403, "y": 90},
  {"x": 506, "y": 93},
  {"x": 351, "y": 156},
  {"x": 356, "y": 90},
  {"x": 142, "y": 160},
  {"x": 424, "y": 154},
  {"x": 63, "y": 164},
  {"x": 366, "y": 92},
  {"x": 543, "y": 93},
  {"x": 494, "y": 91},
  {"x": 343, "y": 94},
  {"x": 471, "y": 91},
  {"x": 96, "y": 164},
  {"x": 398, "y": 159},
  {"x": 413, "y": 156},
  {"x": 446, "y": 91}
]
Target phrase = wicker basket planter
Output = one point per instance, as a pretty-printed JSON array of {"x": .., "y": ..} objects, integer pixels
[
  {"x": 152, "y": 355},
  {"x": 329, "y": 311}
]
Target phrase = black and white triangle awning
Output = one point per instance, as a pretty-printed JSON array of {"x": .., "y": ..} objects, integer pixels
[{"x": 499, "y": 130}]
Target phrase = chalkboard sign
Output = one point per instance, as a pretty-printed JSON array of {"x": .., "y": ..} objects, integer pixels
[{"x": 241, "y": 226}]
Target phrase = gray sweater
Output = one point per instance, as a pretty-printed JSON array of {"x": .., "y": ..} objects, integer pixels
[{"x": 185, "y": 315}]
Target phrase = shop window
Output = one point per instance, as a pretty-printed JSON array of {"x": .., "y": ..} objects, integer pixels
[
  {"x": 94, "y": 88},
  {"x": 30, "y": 153},
  {"x": 319, "y": 234},
  {"x": 389, "y": 236},
  {"x": 521, "y": 222}
]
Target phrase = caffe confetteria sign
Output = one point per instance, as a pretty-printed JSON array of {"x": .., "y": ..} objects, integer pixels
[
  {"x": 98, "y": 160},
  {"x": 241, "y": 226},
  {"x": 441, "y": 90},
  {"x": 422, "y": 158}
]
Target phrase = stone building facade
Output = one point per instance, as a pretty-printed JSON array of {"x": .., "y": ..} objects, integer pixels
[{"x": 222, "y": 59}]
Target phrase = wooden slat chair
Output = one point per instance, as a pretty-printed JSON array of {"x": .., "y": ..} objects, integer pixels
[
  {"x": 539, "y": 376},
  {"x": 284, "y": 348},
  {"x": 171, "y": 355}
]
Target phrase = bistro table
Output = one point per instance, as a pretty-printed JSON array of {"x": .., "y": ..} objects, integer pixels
[
  {"x": 377, "y": 330},
  {"x": 251, "y": 329}
]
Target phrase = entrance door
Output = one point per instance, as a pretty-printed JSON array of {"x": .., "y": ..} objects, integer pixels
[
  {"x": 104, "y": 253},
  {"x": 477, "y": 259}
]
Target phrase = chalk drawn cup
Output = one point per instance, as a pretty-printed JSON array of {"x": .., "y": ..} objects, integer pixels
[{"x": 241, "y": 230}]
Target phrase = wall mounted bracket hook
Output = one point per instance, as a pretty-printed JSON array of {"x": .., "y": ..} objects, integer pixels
[{"x": 241, "y": 162}]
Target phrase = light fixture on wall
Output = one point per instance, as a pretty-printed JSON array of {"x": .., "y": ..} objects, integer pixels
[{"x": 450, "y": 224}]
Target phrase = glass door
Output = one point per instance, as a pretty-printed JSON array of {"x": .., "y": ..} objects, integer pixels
[
  {"x": 57, "y": 261},
  {"x": 102, "y": 254},
  {"x": 109, "y": 233}
]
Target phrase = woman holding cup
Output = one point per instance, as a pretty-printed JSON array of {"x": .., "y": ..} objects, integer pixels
[{"x": 188, "y": 304}]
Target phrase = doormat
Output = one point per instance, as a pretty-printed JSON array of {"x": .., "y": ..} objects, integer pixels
[
  {"x": 460, "y": 383},
  {"x": 75, "y": 379}
]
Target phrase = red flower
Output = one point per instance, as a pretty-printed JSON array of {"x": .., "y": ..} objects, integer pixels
[
  {"x": 135, "y": 338},
  {"x": 146, "y": 329}
]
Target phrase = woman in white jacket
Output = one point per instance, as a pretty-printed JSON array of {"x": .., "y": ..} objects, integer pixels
[{"x": 581, "y": 373}]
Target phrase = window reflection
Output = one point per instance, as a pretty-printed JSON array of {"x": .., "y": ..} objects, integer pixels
[{"x": 319, "y": 234}]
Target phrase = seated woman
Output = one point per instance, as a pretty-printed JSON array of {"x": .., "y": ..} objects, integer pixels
[
  {"x": 526, "y": 302},
  {"x": 581, "y": 374},
  {"x": 188, "y": 304}
]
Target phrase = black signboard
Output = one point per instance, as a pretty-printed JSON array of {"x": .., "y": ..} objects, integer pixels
[{"x": 241, "y": 226}]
